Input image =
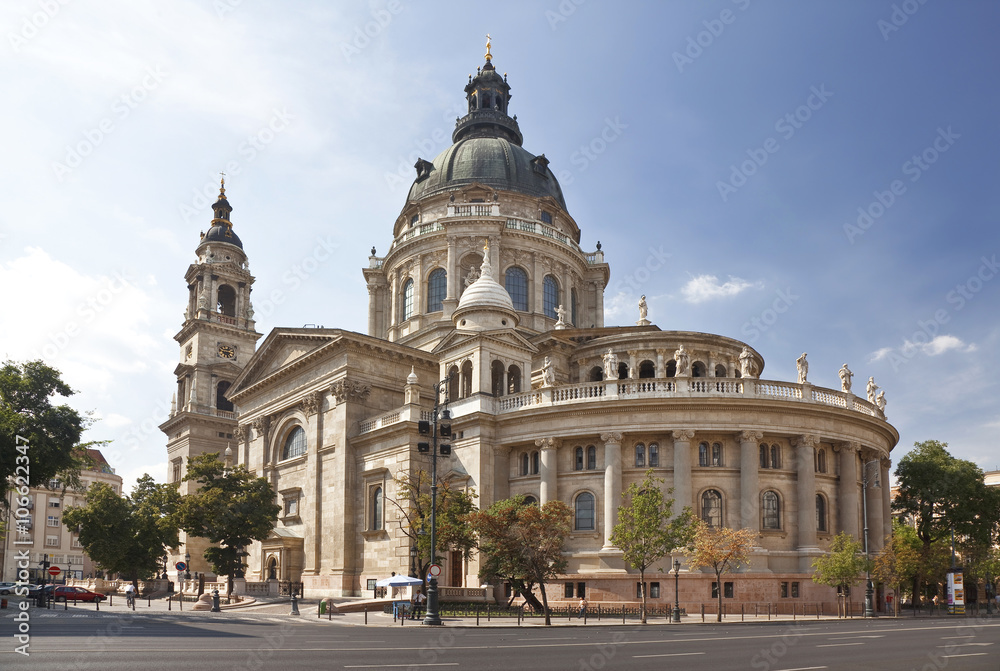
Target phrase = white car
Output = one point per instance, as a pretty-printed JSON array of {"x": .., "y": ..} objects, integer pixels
[{"x": 7, "y": 588}]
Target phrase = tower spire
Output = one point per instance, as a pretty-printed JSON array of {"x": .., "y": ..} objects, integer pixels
[{"x": 489, "y": 56}]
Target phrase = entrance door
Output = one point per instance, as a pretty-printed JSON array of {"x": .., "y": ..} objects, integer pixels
[{"x": 455, "y": 563}]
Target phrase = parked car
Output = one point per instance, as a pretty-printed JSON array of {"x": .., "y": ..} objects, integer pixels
[
  {"x": 7, "y": 588},
  {"x": 68, "y": 593}
]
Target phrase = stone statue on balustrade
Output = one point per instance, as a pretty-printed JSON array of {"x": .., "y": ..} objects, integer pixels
[
  {"x": 561, "y": 323},
  {"x": 548, "y": 373},
  {"x": 748, "y": 367},
  {"x": 845, "y": 378},
  {"x": 872, "y": 388},
  {"x": 803, "y": 367},
  {"x": 643, "y": 312},
  {"x": 610, "y": 365},
  {"x": 683, "y": 362}
]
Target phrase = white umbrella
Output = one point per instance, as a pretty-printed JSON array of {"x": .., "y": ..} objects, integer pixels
[{"x": 399, "y": 581}]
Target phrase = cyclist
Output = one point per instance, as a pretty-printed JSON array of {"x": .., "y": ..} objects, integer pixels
[{"x": 130, "y": 595}]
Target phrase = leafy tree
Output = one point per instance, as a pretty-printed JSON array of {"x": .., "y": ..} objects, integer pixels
[
  {"x": 127, "y": 534},
  {"x": 899, "y": 561},
  {"x": 645, "y": 533},
  {"x": 721, "y": 549},
  {"x": 232, "y": 508},
  {"x": 941, "y": 493},
  {"x": 414, "y": 505},
  {"x": 523, "y": 542},
  {"x": 842, "y": 566},
  {"x": 35, "y": 435}
]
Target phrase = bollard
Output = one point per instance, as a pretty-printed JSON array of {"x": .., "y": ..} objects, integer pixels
[
  {"x": 793, "y": 611},
  {"x": 487, "y": 612},
  {"x": 111, "y": 599},
  {"x": 295, "y": 602},
  {"x": 818, "y": 609},
  {"x": 98, "y": 602},
  {"x": 66, "y": 603},
  {"x": 149, "y": 602},
  {"x": 598, "y": 612},
  {"x": 742, "y": 619},
  {"x": 623, "y": 613},
  {"x": 702, "y": 612},
  {"x": 520, "y": 612},
  {"x": 169, "y": 603},
  {"x": 769, "y": 612},
  {"x": 366, "y": 613},
  {"x": 585, "y": 616},
  {"x": 477, "y": 615}
]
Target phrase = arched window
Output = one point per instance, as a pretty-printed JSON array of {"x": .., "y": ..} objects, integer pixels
[
  {"x": 765, "y": 461},
  {"x": 551, "y": 293},
  {"x": 640, "y": 455},
  {"x": 720, "y": 370},
  {"x": 654, "y": 455},
  {"x": 698, "y": 369},
  {"x": 376, "y": 518},
  {"x": 821, "y": 460},
  {"x": 578, "y": 459},
  {"x": 295, "y": 444},
  {"x": 703, "y": 454},
  {"x": 622, "y": 370},
  {"x": 820, "y": 513},
  {"x": 524, "y": 464},
  {"x": 221, "y": 402},
  {"x": 437, "y": 289},
  {"x": 530, "y": 501},
  {"x": 584, "y": 507},
  {"x": 534, "y": 463},
  {"x": 770, "y": 511},
  {"x": 407, "y": 299},
  {"x": 716, "y": 454},
  {"x": 453, "y": 383},
  {"x": 572, "y": 307},
  {"x": 466, "y": 379},
  {"x": 496, "y": 377},
  {"x": 513, "y": 380},
  {"x": 227, "y": 301},
  {"x": 516, "y": 283},
  {"x": 671, "y": 368},
  {"x": 647, "y": 369},
  {"x": 591, "y": 457},
  {"x": 711, "y": 508},
  {"x": 775, "y": 456},
  {"x": 596, "y": 374}
]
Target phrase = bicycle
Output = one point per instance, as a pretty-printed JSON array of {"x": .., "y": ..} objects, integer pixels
[{"x": 130, "y": 599}]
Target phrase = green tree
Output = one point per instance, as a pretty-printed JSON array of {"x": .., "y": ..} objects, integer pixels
[
  {"x": 38, "y": 440},
  {"x": 523, "y": 542},
  {"x": 721, "y": 549},
  {"x": 940, "y": 494},
  {"x": 127, "y": 534},
  {"x": 842, "y": 566},
  {"x": 413, "y": 502},
  {"x": 900, "y": 559},
  {"x": 645, "y": 533},
  {"x": 232, "y": 508}
]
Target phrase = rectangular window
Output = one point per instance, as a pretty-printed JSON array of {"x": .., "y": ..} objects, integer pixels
[
  {"x": 654, "y": 455},
  {"x": 640, "y": 455},
  {"x": 568, "y": 590},
  {"x": 76, "y": 543},
  {"x": 507, "y": 590},
  {"x": 546, "y": 217},
  {"x": 581, "y": 589},
  {"x": 795, "y": 590},
  {"x": 638, "y": 590},
  {"x": 727, "y": 590},
  {"x": 52, "y": 541},
  {"x": 52, "y": 521},
  {"x": 292, "y": 506},
  {"x": 176, "y": 475},
  {"x": 715, "y": 590},
  {"x": 54, "y": 503},
  {"x": 654, "y": 590},
  {"x": 784, "y": 590},
  {"x": 371, "y": 583},
  {"x": 591, "y": 458}
]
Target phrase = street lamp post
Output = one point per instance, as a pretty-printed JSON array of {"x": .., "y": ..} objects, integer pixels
[
  {"x": 434, "y": 429},
  {"x": 187, "y": 566},
  {"x": 413, "y": 561},
  {"x": 676, "y": 615},
  {"x": 865, "y": 479}
]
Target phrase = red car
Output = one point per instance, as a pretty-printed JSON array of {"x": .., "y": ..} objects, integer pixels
[{"x": 66, "y": 593}]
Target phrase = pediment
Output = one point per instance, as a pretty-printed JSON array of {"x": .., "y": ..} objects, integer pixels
[
  {"x": 278, "y": 352},
  {"x": 467, "y": 339}
]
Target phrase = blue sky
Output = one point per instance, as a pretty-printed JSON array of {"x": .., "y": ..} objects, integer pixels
[{"x": 720, "y": 151}]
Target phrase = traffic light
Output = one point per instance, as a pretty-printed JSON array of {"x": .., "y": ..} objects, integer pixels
[
  {"x": 445, "y": 449},
  {"x": 423, "y": 447}
]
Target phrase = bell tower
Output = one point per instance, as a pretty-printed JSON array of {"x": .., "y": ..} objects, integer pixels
[{"x": 217, "y": 340}]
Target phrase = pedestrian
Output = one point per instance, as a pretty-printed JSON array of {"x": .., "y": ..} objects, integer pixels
[
  {"x": 583, "y": 607},
  {"x": 418, "y": 601}
]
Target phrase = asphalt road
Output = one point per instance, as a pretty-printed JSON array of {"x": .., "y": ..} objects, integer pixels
[{"x": 250, "y": 642}]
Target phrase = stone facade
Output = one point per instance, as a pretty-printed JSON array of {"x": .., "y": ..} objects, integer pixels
[{"x": 484, "y": 261}]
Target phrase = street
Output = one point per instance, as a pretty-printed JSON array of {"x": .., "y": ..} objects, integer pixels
[{"x": 86, "y": 639}]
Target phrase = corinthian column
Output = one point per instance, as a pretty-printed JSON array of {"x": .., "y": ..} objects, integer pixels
[
  {"x": 847, "y": 510},
  {"x": 749, "y": 480},
  {"x": 612, "y": 483},
  {"x": 805, "y": 465},
  {"x": 547, "y": 479},
  {"x": 682, "y": 470}
]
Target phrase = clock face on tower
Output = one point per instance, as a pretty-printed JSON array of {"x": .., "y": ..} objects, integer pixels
[{"x": 227, "y": 351}]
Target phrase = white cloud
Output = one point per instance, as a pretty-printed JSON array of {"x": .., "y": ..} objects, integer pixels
[
  {"x": 706, "y": 287},
  {"x": 880, "y": 354},
  {"x": 939, "y": 345}
]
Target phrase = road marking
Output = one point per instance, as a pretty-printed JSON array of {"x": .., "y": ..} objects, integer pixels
[
  {"x": 968, "y": 654},
  {"x": 564, "y": 638},
  {"x": 836, "y": 645},
  {"x": 669, "y": 654},
  {"x": 804, "y": 668},
  {"x": 963, "y": 645},
  {"x": 837, "y": 638},
  {"x": 392, "y": 666},
  {"x": 943, "y": 638}
]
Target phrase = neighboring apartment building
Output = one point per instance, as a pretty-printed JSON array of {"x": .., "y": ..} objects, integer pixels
[{"x": 43, "y": 533}]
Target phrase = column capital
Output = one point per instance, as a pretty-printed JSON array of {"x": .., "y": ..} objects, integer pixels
[
  {"x": 683, "y": 434},
  {"x": 846, "y": 446},
  {"x": 886, "y": 463},
  {"x": 869, "y": 454},
  {"x": 805, "y": 440},
  {"x": 312, "y": 403},
  {"x": 750, "y": 436},
  {"x": 612, "y": 438},
  {"x": 547, "y": 443}
]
